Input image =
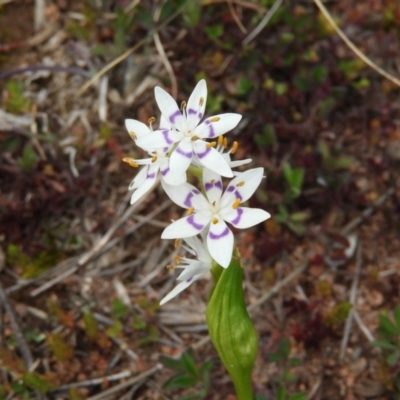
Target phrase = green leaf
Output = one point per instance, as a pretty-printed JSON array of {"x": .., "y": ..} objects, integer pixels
[
  {"x": 119, "y": 309},
  {"x": 192, "y": 13},
  {"x": 172, "y": 363},
  {"x": 298, "y": 396},
  {"x": 214, "y": 31},
  {"x": 384, "y": 345},
  {"x": 231, "y": 329},
  {"x": 189, "y": 364},
  {"x": 28, "y": 159},
  {"x": 37, "y": 382},
  {"x": 180, "y": 381},
  {"x": 393, "y": 358},
  {"x": 276, "y": 357},
  {"x": 396, "y": 314},
  {"x": 284, "y": 347},
  {"x": 281, "y": 393},
  {"x": 386, "y": 324},
  {"x": 245, "y": 85}
]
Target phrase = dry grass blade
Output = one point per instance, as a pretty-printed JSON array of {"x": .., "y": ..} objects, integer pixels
[{"x": 23, "y": 346}]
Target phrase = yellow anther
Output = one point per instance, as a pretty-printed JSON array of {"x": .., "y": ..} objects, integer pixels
[
  {"x": 153, "y": 159},
  {"x": 235, "y": 146},
  {"x": 212, "y": 144},
  {"x": 213, "y": 181},
  {"x": 171, "y": 267},
  {"x": 177, "y": 243},
  {"x": 194, "y": 138},
  {"x": 225, "y": 142},
  {"x": 177, "y": 259},
  {"x": 241, "y": 183},
  {"x": 235, "y": 204},
  {"x": 151, "y": 120},
  {"x": 220, "y": 141},
  {"x": 133, "y": 135},
  {"x": 190, "y": 211},
  {"x": 215, "y": 220},
  {"x": 130, "y": 161},
  {"x": 214, "y": 119},
  {"x": 183, "y": 105},
  {"x": 201, "y": 101}
]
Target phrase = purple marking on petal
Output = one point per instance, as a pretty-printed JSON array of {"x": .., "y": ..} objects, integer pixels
[
  {"x": 164, "y": 171},
  {"x": 187, "y": 154},
  {"x": 221, "y": 235},
  {"x": 238, "y": 217},
  {"x": 200, "y": 115},
  {"x": 175, "y": 115},
  {"x": 166, "y": 137},
  {"x": 211, "y": 132},
  {"x": 205, "y": 152},
  {"x": 207, "y": 122},
  {"x": 195, "y": 191},
  {"x": 191, "y": 111},
  {"x": 208, "y": 186},
  {"x": 230, "y": 189},
  {"x": 165, "y": 149},
  {"x": 192, "y": 222},
  {"x": 189, "y": 280},
  {"x": 151, "y": 176},
  {"x": 188, "y": 202}
]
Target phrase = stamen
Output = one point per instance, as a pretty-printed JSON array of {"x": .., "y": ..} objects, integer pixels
[
  {"x": 201, "y": 101},
  {"x": 171, "y": 267},
  {"x": 213, "y": 203},
  {"x": 190, "y": 211},
  {"x": 241, "y": 183},
  {"x": 235, "y": 146},
  {"x": 153, "y": 159},
  {"x": 236, "y": 203},
  {"x": 130, "y": 161},
  {"x": 194, "y": 138},
  {"x": 183, "y": 105},
  {"x": 212, "y": 144},
  {"x": 225, "y": 142},
  {"x": 178, "y": 259},
  {"x": 215, "y": 220},
  {"x": 133, "y": 135},
  {"x": 220, "y": 141},
  {"x": 151, "y": 120},
  {"x": 177, "y": 243},
  {"x": 214, "y": 119},
  {"x": 213, "y": 181}
]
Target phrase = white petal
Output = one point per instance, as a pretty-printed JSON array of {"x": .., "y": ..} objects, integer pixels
[
  {"x": 211, "y": 158},
  {"x": 166, "y": 174},
  {"x": 183, "y": 195},
  {"x": 220, "y": 243},
  {"x": 181, "y": 158},
  {"x": 198, "y": 248},
  {"x": 186, "y": 227},
  {"x": 169, "y": 109},
  {"x": 175, "y": 291},
  {"x": 196, "y": 105},
  {"x": 244, "y": 217},
  {"x": 136, "y": 129},
  {"x": 139, "y": 178},
  {"x": 164, "y": 124},
  {"x": 157, "y": 139},
  {"x": 242, "y": 186},
  {"x": 195, "y": 268},
  {"x": 151, "y": 178},
  {"x": 212, "y": 183},
  {"x": 217, "y": 125}
]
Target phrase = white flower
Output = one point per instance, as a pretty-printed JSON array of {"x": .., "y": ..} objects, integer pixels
[
  {"x": 192, "y": 269},
  {"x": 210, "y": 213},
  {"x": 159, "y": 162},
  {"x": 188, "y": 135},
  {"x": 221, "y": 148}
]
